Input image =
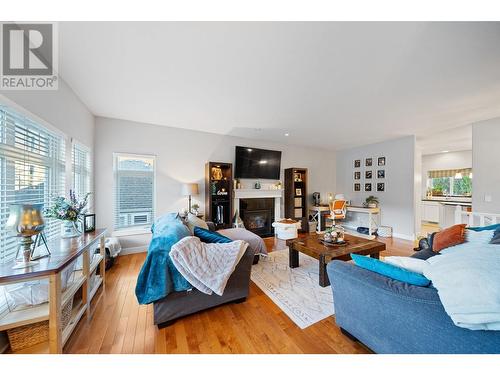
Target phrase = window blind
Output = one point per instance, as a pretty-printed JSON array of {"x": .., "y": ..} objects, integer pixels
[
  {"x": 134, "y": 180},
  {"x": 32, "y": 170},
  {"x": 82, "y": 170},
  {"x": 449, "y": 172}
]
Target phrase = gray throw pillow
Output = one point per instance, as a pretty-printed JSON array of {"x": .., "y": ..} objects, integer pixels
[{"x": 496, "y": 237}]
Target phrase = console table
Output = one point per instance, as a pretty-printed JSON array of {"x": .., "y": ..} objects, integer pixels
[{"x": 64, "y": 251}]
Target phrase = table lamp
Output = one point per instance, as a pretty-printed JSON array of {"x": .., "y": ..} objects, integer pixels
[
  {"x": 25, "y": 221},
  {"x": 189, "y": 190}
]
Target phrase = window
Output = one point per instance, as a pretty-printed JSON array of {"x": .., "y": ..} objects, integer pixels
[
  {"x": 134, "y": 177},
  {"x": 82, "y": 169},
  {"x": 32, "y": 170},
  {"x": 456, "y": 182}
]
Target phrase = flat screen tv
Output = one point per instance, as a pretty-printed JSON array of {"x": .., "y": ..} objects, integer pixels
[{"x": 256, "y": 163}]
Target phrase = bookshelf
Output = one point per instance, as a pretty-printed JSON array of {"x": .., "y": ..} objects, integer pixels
[{"x": 296, "y": 196}]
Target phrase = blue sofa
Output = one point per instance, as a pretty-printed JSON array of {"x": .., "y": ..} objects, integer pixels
[{"x": 389, "y": 316}]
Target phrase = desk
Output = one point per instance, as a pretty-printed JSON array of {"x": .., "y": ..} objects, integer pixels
[
  {"x": 316, "y": 212},
  {"x": 372, "y": 223}
]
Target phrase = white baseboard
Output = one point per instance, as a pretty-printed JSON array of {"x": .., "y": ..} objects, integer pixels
[{"x": 133, "y": 250}]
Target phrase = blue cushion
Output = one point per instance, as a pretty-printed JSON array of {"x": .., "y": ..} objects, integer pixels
[
  {"x": 210, "y": 237},
  {"x": 488, "y": 227},
  {"x": 389, "y": 270}
]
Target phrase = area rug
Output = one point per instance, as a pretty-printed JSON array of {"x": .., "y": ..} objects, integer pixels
[{"x": 295, "y": 290}]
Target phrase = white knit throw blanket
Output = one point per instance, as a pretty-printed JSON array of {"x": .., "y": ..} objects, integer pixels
[{"x": 207, "y": 266}]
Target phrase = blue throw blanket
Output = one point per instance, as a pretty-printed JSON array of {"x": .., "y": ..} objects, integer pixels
[{"x": 158, "y": 276}]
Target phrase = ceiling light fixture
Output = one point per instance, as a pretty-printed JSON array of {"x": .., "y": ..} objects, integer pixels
[
  {"x": 287, "y": 134},
  {"x": 445, "y": 151}
]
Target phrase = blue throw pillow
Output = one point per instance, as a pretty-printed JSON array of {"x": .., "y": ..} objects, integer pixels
[
  {"x": 210, "y": 237},
  {"x": 488, "y": 227},
  {"x": 389, "y": 270}
]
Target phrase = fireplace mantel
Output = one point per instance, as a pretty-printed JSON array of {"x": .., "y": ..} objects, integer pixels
[{"x": 259, "y": 193}]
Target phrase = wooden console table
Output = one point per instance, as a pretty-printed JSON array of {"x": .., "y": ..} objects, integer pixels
[{"x": 64, "y": 252}]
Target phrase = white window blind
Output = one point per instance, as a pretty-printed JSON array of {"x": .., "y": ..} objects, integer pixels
[
  {"x": 82, "y": 169},
  {"x": 134, "y": 179},
  {"x": 32, "y": 170}
]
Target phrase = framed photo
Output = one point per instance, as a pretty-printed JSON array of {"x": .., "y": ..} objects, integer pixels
[
  {"x": 380, "y": 186},
  {"x": 381, "y": 161},
  {"x": 381, "y": 173},
  {"x": 89, "y": 223},
  {"x": 357, "y": 175},
  {"x": 297, "y": 177},
  {"x": 357, "y": 187},
  {"x": 298, "y": 192},
  {"x": 368, "y": 186},
  {"x": 368, "y": 175},
  {"x": 357, "y": 163},
  {"x": 298, "y": 202},
  {"x": 298, "y": 212},
  {"x": 368, "y": 162}
]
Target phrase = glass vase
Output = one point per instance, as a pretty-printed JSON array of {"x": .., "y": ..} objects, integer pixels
[{"x": 70, "y": 229}]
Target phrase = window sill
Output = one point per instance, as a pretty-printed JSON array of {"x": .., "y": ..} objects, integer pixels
[{"x": 131, "y": 232}]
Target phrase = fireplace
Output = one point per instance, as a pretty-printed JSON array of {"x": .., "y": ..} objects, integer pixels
[{"x": 258, "y": 215}]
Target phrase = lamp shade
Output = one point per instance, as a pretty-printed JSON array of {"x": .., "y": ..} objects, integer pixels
[
  {"x": 25, "y": 219},
  {"x": 190, "y": 189}
]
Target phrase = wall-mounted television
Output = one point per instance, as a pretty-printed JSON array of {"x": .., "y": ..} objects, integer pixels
[{"x": 257, "y": 163}]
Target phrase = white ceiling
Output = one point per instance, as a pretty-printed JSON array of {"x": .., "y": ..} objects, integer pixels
[
  {"x": 457, "y": 139},
  {"x": 328, "y": 84}
]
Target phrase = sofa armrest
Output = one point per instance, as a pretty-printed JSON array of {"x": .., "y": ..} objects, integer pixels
[{"x": 345, "y": 271}]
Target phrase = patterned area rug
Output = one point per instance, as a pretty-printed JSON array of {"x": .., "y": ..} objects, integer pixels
[{"x": 296, "y": 291}]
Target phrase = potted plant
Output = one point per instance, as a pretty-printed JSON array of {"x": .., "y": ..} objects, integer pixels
[
  {"x": 69, "y": 211},
  {"x": 371, "y": 202}
]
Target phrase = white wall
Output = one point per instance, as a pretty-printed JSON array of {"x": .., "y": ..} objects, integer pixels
[
  {"x": 486, "y": 166},
  {"x": 449, "y": 160},
  {"x": 181, "y": 156},
  {"x": 60, "y": 108},
  {"x": 397, "y": 203}
]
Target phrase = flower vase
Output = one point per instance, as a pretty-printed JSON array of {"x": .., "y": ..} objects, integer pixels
[{"x": 70, "y": 229}]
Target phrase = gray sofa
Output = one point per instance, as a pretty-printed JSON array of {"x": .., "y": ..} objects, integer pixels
[
  {"x": 390, "y": 316},
  {"x": 179, "y": 304}
]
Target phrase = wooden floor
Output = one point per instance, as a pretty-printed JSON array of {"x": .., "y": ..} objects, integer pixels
[{"x": 121, "y": 325}]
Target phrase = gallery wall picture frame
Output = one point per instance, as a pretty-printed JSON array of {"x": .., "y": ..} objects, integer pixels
[
  {"x": 298, "y": 192},
  {"x": 357, "y": 186},
  {"x": 357, "y": 163},
  {"x": 381, "y": 174},
  {"x": 368, "y": 175},
  {"x": 380, "y": 186},
  {"x": 357, "y": 175},
  {"x": 381, "y": 161},
  {"x": 368, "y": 162},
  {"x": 368, "y": 186},
  {"x": 297, "y": 202}
]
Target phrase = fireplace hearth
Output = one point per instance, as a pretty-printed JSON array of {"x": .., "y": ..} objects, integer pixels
[{"x": 258, "y": 215}]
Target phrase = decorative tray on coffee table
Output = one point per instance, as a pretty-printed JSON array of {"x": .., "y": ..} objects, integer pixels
[{"x": 331, "y": 243}]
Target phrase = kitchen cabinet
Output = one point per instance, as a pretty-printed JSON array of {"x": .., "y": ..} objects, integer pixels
[{"x": 430, "y": 211}]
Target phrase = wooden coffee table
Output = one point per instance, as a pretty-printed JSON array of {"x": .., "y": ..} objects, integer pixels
[{"x": 310, "y": 245}]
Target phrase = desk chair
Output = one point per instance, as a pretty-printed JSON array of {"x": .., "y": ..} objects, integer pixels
[{"x": 338, "y": 210}]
